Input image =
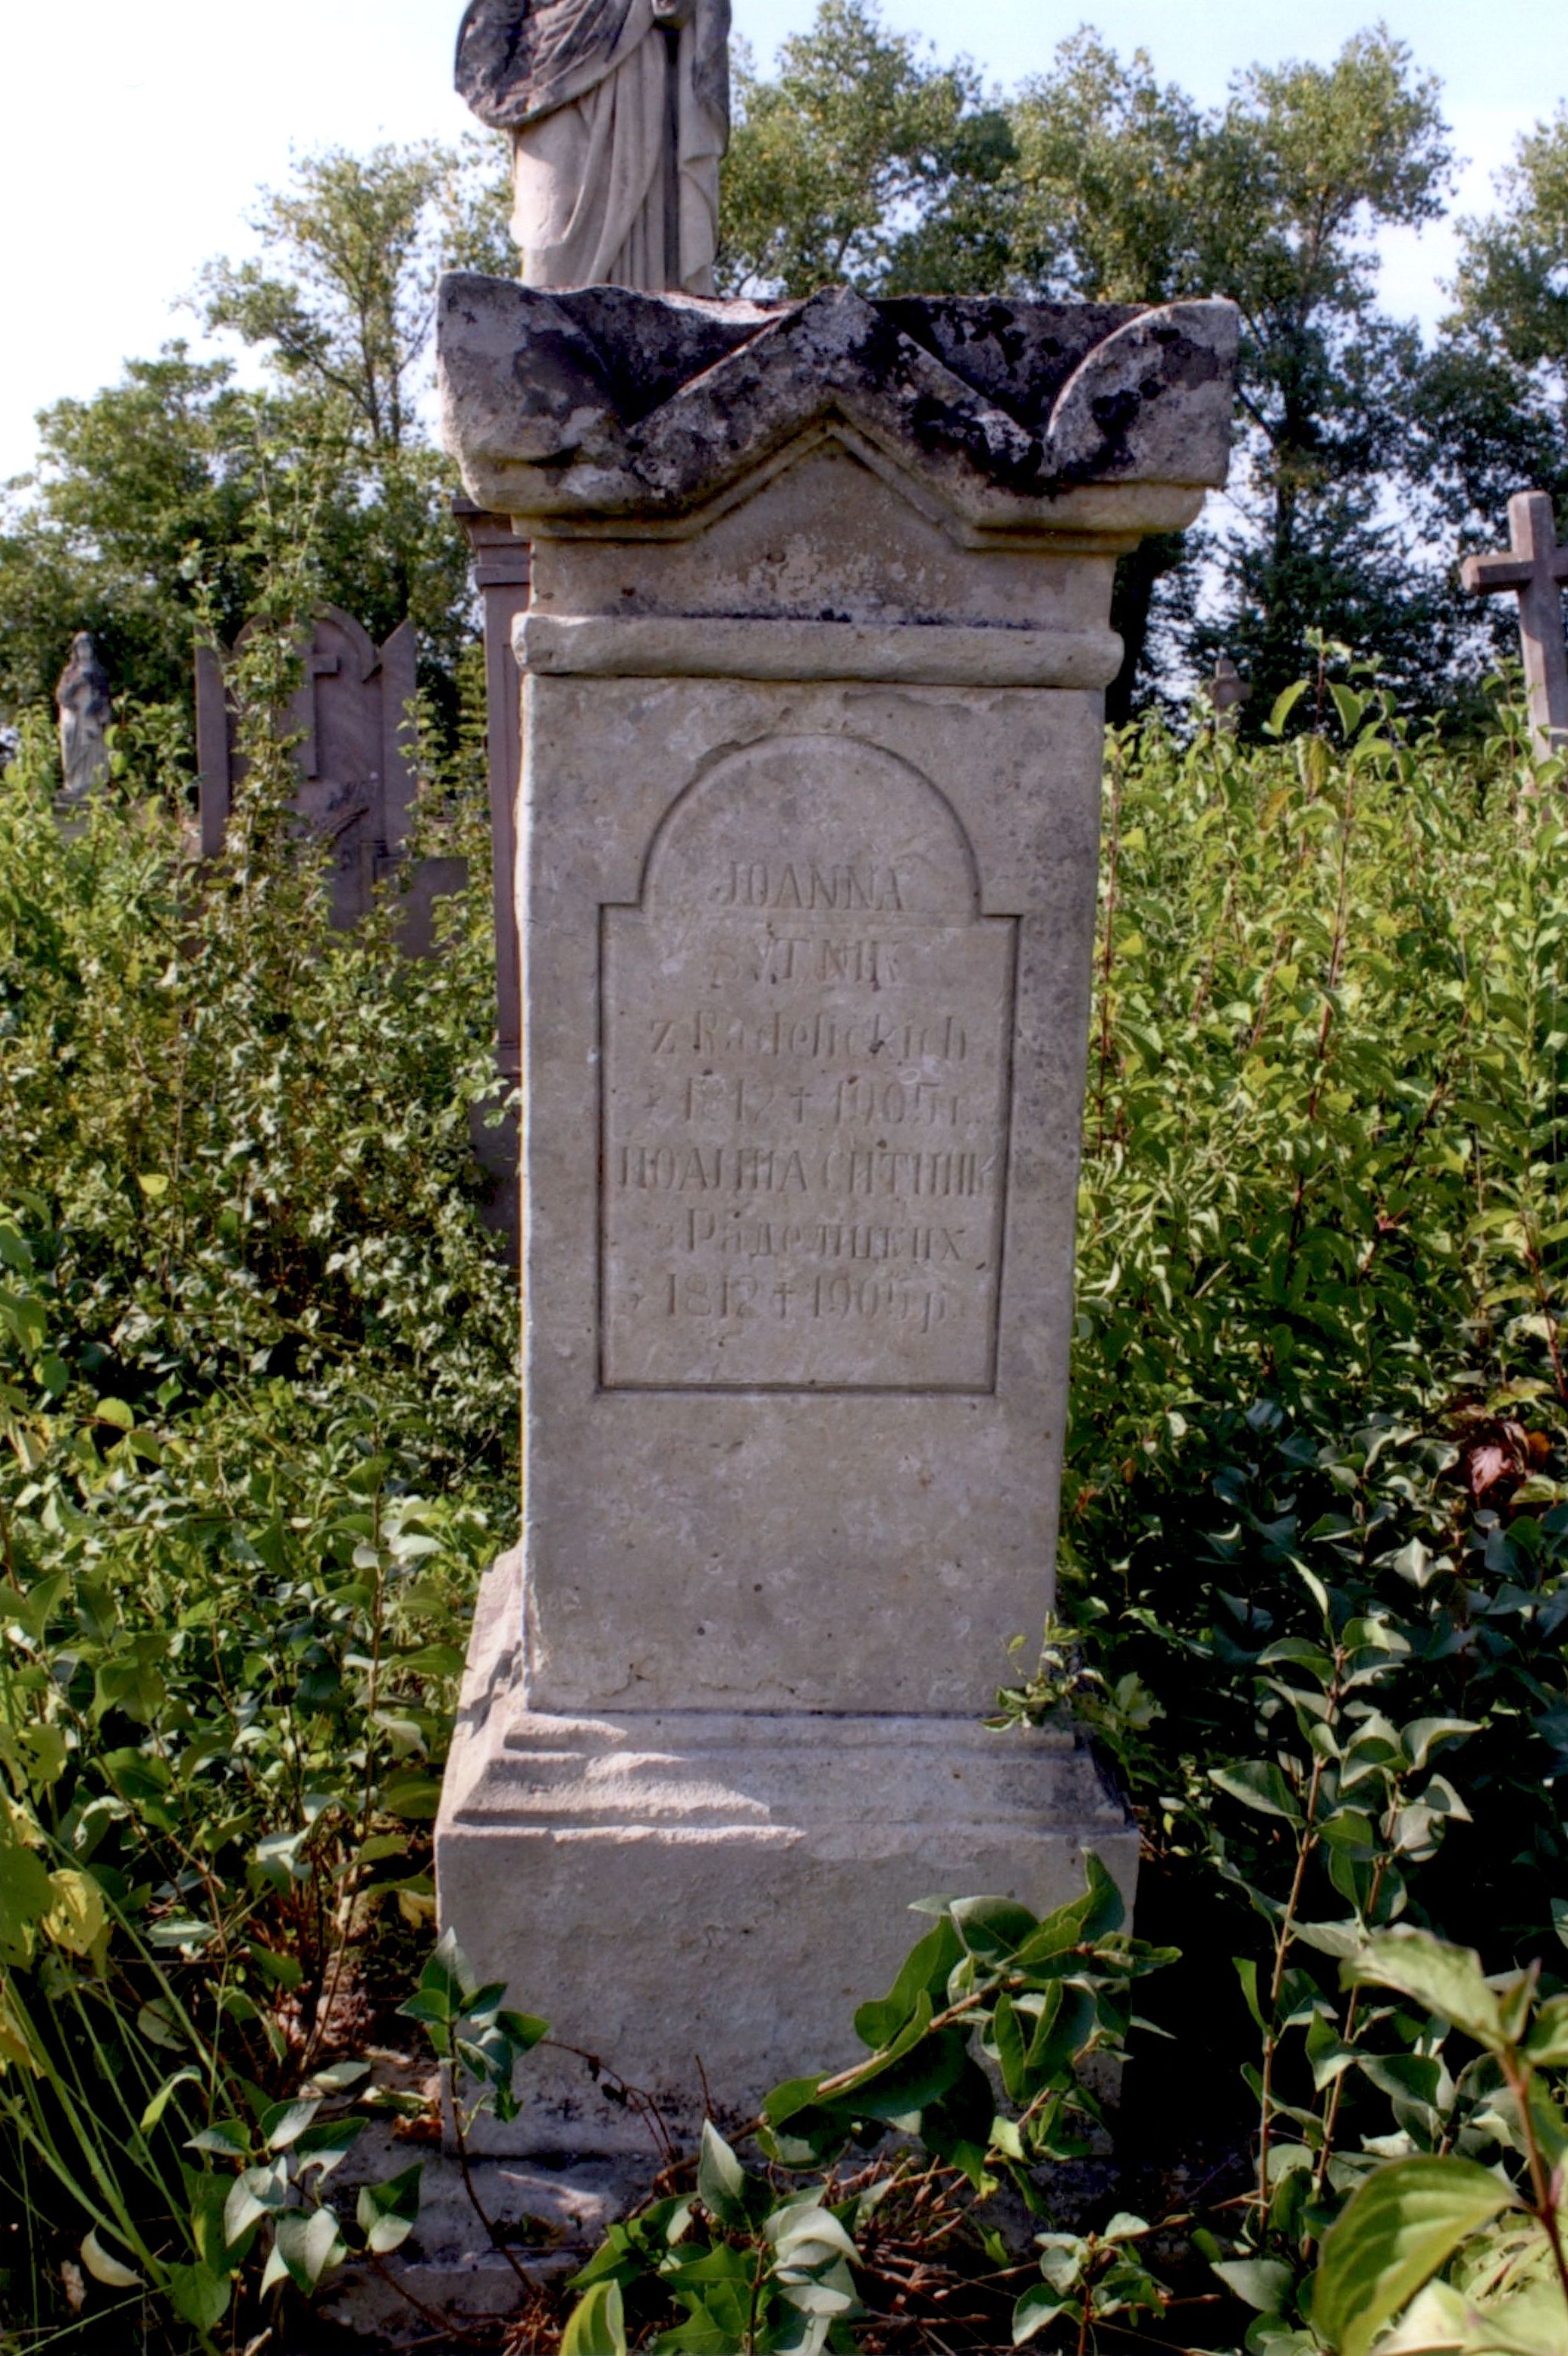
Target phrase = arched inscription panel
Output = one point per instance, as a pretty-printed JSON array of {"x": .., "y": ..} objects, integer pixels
[{"x": 805, "y": 1077}]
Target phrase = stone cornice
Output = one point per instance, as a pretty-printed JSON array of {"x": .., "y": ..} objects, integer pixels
[{"x": 634, "y": 412}]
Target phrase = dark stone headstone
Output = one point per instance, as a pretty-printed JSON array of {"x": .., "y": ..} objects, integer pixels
[{"x": 350, "y": 715}]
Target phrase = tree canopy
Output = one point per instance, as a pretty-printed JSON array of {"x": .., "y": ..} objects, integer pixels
[{"x": 1366, "y": 460}]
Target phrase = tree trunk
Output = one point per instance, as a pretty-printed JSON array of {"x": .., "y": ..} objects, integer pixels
[{"x": 1132, "y": 604}]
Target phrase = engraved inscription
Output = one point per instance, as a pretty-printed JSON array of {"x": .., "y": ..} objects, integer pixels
[{"x": 807, "y": 1034}]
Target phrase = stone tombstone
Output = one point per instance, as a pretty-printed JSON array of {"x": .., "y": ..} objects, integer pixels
[
  {"x": 356, "y": 774},
  {"x": 813, "y": 669},
  {"x": 86, "y": 708}
]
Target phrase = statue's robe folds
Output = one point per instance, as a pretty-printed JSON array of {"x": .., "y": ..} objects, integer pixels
[{"x": 617, "y": 131}]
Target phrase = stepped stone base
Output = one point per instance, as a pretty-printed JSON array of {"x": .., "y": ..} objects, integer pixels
[{"x": 701, "y": 1898}]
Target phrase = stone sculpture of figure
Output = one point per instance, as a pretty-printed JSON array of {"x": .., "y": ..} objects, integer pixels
[
  {"x": 85, "y": 711},
  {"x": 619, "y": 111}
]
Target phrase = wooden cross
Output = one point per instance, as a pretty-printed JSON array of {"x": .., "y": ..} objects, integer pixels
[{"x": 1534, "y": 569}]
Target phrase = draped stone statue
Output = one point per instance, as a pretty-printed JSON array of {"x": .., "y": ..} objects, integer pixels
[
  {"x": 619, "y": 111},
  {"x": 85, "y": 710}
]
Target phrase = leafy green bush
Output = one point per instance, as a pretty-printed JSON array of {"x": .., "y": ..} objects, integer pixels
[
  {"x": 1313, "y": 1596},
  {"x": 257, "y": 1394},
  {"x": 753, "y": 2260},
  {"x": 258, "y": 1389}
]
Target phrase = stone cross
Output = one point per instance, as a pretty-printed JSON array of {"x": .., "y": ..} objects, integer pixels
[
  {"x": 85, "y": 708},
  {"x": 1226, "y": 691},
  {"x": 318, "y": 665},
  {"x": 806, "y": 912},
  {"x": 1535, "y": 569}
]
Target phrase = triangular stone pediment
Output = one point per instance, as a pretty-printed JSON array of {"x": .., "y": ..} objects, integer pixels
[{"x": 601, "y": 401}]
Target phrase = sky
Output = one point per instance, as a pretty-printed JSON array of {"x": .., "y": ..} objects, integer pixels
[{"x": 136, "y": 135}]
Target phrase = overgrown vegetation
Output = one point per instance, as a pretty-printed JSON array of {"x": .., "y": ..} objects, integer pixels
[
  {"x": 258, "y": 1376},
  {"x": 1367, "y": 460},
  {"x": 259, "y": 1391},
  {"x": 257, "y": 1398}
]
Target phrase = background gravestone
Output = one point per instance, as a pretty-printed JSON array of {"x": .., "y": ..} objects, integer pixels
[
  {"x": 351, "y": 715},
  {"x": 501, "y": 569}
]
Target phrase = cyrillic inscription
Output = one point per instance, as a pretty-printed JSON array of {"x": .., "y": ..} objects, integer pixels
[{"x": 807, "y": 1029}]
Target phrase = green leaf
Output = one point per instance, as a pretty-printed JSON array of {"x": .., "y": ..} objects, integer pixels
[
  {"x": 414, "y": 1797},
  {"x": 597, "y": 2324},
  {"x": 327, "y": 2143},
  {"x": 281, "y": 1970},
  {"x": 1011, "y": 2052},
  {"x": 524, "y": 2029},
  {"x": 1420, "y": 1738},
  {"x": 307, "y": 2246},
  {"x": 337, "y": 2077},
  {"x": 926, "y": 1971},
  {"x": 721, "y": 2178},
  {"x": 229, "y": 2138},
  {"x": 1247, "y": 1972},
  {"x": 1349, "y": 706},
  {"x": 256, "y": 2192},
  {"x": 1258, "y": 1783},
  {"x": 106, "y": 2269},
  {"x": 131, "y": 1680},
  {"x": 200, "y": 2294},
  {"x": 1404, "y": 2224},
  {"x": 992, "y": 1928},
  {"x": 287, "y": 2122},
  {"x": 160, "y": 2101},
  {"x": 1448, "y": 1980},
  {"x": 387, "y": 2213},
  {"x": 1547, "y": 2043},
  {"x": 1263, "y": 2282},
  {"x": 1038, "y": 2306},
  {"x": 431, "y": 1661},
  {"x": 1066, "y": 2022},
  {"x": 26, "y": 1897},
  {"x": 1283, "y": 705}
]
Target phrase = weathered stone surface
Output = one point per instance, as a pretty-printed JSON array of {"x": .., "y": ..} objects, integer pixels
[
  {"x": 86, "y": 708},
  {"x": 541, "y": 421},
  {"x": 699, "y": 1895},
  {"x": 552, "y": 2216},
  {"x": 807, "y": 1077},
  {"x": 813, "y": 660}
]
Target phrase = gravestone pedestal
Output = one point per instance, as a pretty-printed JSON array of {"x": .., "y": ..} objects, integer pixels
[{"x": 813, "y": 667}]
